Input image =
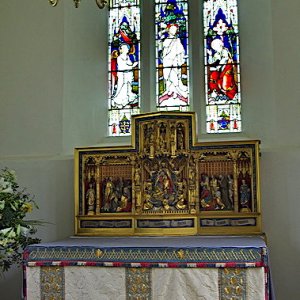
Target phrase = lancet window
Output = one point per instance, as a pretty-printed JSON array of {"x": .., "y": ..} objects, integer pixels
[
  {"x": 222, "y": 68},
  {"x": 124, "y": 65},
  {"x": 172, "y": 68},
  {"x": 171, "y": 21}
]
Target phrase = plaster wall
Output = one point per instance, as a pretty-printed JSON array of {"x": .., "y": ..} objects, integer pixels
[{"x": 53, "y": 87}]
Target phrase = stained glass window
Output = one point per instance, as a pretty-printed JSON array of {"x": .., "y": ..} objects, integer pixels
[
  {"x": 172, "y": 68},
  {"x": 124, "y": 65},
  {"x": 222, "y": 69}
]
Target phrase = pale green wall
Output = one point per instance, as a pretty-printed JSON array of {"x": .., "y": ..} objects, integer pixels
[
  {"x": 53, "y": 98},
  {"x": 32, "y": 70}
]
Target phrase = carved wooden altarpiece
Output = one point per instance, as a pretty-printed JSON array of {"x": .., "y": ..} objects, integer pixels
[{"x": 168, "y": 183}]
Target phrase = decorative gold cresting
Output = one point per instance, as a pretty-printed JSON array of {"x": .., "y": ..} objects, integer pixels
[{"x": 100, "y": 3}]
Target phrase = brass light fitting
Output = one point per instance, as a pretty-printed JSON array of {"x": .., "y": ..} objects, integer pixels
[{"x": 100, "y": 3}]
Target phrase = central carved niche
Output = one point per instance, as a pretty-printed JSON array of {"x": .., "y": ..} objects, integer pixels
[{"x": 165, "y": 170}]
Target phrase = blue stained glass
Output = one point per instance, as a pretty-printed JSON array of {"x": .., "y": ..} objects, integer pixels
[
  {"x": 222, "y": 30},
  {"x": 124, "y": 65},
  {"x": 222, "y": 72},
  {"x": 171, "y": 19},
  {"x": 120, "y": 121}
]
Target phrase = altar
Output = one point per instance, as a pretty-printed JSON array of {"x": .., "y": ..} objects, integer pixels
[
  {"x": 166, "y": 217},
  {"x": 187, "y": 267}
]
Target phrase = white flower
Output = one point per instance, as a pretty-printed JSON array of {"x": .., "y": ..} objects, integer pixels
[
  {"x": 5, "y": 186},
  {"x": 2, "y": 183},
  {"x": 5, "y": 230},
  {"x": 11, "y": 234},
  {"x": 220, "y": 27},
  {"x": 24, "y": 231},
  {"x": 3, "y": 242},
  {"x": 8, "y": 190},
  {"x": 8, "y": 232}
]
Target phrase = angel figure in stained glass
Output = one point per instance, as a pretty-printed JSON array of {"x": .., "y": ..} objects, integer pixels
[{"x": 123, "y": 95}]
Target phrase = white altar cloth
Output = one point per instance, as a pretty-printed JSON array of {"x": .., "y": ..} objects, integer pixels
[{"x": 205, "y": 268}]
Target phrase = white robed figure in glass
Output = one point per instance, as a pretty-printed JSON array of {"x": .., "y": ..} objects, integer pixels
[
  {"x": 123, "y": 94},
  {"x": 173, "y": 57}
]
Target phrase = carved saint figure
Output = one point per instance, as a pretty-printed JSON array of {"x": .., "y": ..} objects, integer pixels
[
  {"x": 205, "y": 197},
  {"x": 230, "y": 189},
  {"x": 211, "y": 194},
  {"x": 224, "y": 188},
  {"x": 108, "y": 194},
  {"x": 218, "y": 199},
  {"x": 90, "y": 196},
  {"x": 192, "y": 171},
  {"x": 137, "y": 175},
  {"x": 213, "y": 185},
  {"x": 162, "y": 137},
  {"x": 150, "y": 137},
  {"x": 180, "y": 137},
  {"x": 244, "y": 195},
  {"x": 173, "y": 140},
  {"x": 124, "y": 205}
]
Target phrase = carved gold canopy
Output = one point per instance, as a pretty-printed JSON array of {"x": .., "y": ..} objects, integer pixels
[{"x": 168, "y": 183}]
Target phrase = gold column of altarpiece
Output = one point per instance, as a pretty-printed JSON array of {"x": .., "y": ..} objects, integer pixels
[{"x": 167, "y": 183}]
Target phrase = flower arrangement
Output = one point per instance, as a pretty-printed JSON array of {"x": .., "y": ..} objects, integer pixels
[{"x": 14, "y": 230}]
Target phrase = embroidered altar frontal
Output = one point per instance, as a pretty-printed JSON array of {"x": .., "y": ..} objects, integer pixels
[
  {"x": 148, "y": 268},
  {"x": 168, "y": 183}
]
